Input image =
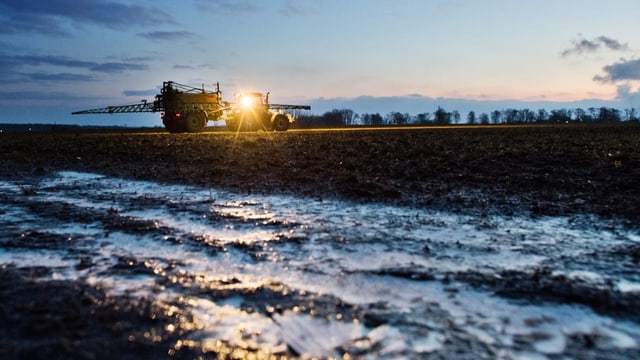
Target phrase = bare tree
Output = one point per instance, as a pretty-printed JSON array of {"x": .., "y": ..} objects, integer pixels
[
  {"x": 496, "y": 115},
  {"x": 442, "y": 117},
  {"x": 455, "y": 115},
  {"x": 542, "y": 116},
  {"x": 423, "y": 118},
  {"x": 471, "y": 117}
]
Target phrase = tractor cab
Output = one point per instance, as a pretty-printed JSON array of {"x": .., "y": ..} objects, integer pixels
[{"x": 251, "y": 100}]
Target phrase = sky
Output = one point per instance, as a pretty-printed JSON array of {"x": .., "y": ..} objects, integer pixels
[{"x": 59, "y": 56}]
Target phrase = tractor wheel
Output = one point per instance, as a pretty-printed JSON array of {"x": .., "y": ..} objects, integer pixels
[
  {"x": 172, "y": 123},
  {"x": 281, "y": 123},
  {"x": 195, "y": 121}
]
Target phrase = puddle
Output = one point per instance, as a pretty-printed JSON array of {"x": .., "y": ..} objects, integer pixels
[{"x": 281, "y": 274}]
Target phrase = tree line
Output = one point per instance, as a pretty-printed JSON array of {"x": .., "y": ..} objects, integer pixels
[{"x": 347, "y": 117}]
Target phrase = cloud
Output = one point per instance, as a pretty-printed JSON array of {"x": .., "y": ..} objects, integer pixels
[
  {"x": 167, "y": 35},
  {"x": 229, "y": 6},
  {"x": 625, "y": 93},
  {"x": 192, "y": 67},
  {"x": 138, "y": 59},
  {"x": 583, "y": 45},
  {"x": 149, "y": 92},
  {"x": 287, "y": 8},
  {"x": 46, "y": 68},
  {"x": 52, "y": 17},
  {"x": 37, "y": 60},
  {"x": 16, "y": 61},
  {"x": 624, "y": 70},
  {"x": 118, "y": 67},
  {"x": 26, "y": 23},
  {"x": 58, "y": 77},
  {"x": 19, "y": 67},
  {"x": 36, "y": 96},
  {"x": 291, "y": 8},
  {"x": 613, "y": 44}
]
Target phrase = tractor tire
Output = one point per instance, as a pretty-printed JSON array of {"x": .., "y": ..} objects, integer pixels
[
  {"x": 195, "y": 121},
  {"x": 281, "y": 123},
  {"x": 173, "y": 124}
]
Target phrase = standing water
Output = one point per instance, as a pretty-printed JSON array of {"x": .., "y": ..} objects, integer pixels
[{"x": 290, "y": 275}]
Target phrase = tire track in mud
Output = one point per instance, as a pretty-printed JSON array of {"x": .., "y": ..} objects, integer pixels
[
  {"x": 167, "y": 273},
  {"x": 384, "y": 281}
]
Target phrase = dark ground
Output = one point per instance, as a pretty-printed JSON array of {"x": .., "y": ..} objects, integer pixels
[
  {"x": 538, "y": 169},
  {"x": 555, "y": 170}
]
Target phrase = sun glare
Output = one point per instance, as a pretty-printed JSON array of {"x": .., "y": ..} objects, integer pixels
[{"x": 247, "y": 102}]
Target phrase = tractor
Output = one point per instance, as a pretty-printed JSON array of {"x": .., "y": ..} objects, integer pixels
[
  {"x": 252, "y": 111},
  {"x": 187, "y": 109}
]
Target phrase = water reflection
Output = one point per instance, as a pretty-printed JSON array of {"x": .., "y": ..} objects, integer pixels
[{"x": 280, "y": 275}]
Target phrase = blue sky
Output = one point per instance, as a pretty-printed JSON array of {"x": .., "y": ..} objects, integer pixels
[{"x": 57, "y": 56}]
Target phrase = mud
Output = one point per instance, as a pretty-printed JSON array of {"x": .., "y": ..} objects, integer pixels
[
  {"x": 374, "y": 255},
  {"x": 58, "y": 319},
  {"x": 539, "y": 170}
]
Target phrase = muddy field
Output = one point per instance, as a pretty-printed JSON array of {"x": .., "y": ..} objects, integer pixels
[
  {"x": 498, "y": 242},
  {"x": 539, "y": 170}
]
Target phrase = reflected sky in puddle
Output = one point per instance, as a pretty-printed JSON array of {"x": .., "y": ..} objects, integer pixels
[{"x": 388, "y": 261}]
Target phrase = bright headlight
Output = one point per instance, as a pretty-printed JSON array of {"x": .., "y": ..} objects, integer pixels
[{"x": 247, "y": 102}]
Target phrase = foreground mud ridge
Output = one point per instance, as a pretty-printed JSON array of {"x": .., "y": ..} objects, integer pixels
[{"x": 362, "y": 244}]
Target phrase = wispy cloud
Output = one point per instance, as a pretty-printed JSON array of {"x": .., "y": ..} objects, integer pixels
[
  {"x": 36, "y": 96},
  {"x": 292, "y": 8},
  {"x": 613, "y": 44},
  {"x": 31, "y": 23},
  {"x": 624, "y": 70},
  {"x": 52, "y": 17},
  {"x": 229, "y": 6},
  {"x": 167, "y": 35},
  {"x": 193, "y": 67},
  {"x": 37, "y": 60},
  {"x": 40, "y": 76},
  {"x": 287, "y": 8},
  {"x": 14, "y": 61},
  {"x": 47, "y": 68},
  {"x": 137, "y": 59},
  {"x": 148, "y": 92},
  {"x": 583, "y": 45},
  {"x": 117, "y": 67}
]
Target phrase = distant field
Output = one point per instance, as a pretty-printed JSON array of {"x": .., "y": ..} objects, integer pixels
[{"x": 539, "y": 169}]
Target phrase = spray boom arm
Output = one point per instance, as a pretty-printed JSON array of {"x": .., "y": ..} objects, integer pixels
[{"x": 144, "y": 106}]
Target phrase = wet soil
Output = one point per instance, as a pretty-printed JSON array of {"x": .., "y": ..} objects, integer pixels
[
  {"x": 557, "y": 170},
  {"x": 554, "y": 170},
  {"x": 72, "y": 320}
]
